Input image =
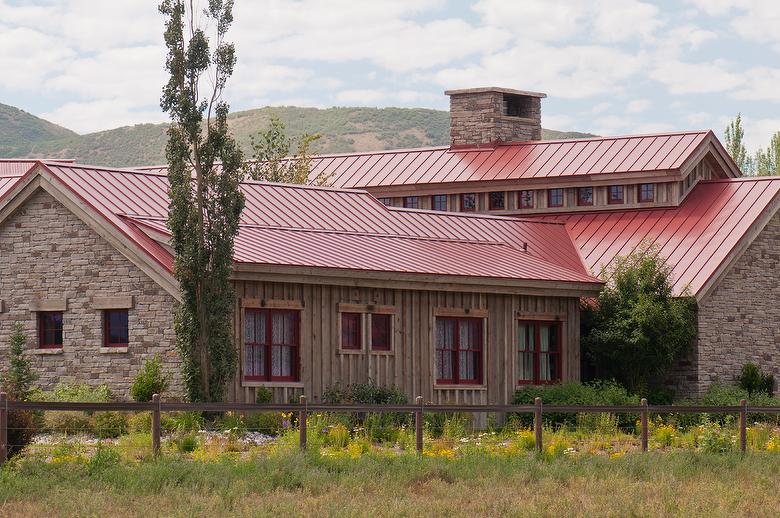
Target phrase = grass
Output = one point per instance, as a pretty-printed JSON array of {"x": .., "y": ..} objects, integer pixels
[{"x": 291, "y": 483}]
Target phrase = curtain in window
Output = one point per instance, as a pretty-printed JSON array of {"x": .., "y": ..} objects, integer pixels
[
  {"x": 282, "y": 339},
  {"x": 445, "y": 345},
  {"x": 469, "y": 342},
  {"x": 255, "y": 341},
  {"x": 526, "y": 338}
]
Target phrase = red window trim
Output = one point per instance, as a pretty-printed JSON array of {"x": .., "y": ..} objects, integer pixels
[
  {"x": 639, "y": 193},
  {"x": 549, "y": 197},
  {"x": 382, "y": 316},
  {"x": 433, "y": 201},
  {"x": 107, "y": 328},
  {"x": 463, "y": 205},
  {"x": 622, "y": 199},
  {"x": 520, "y": 203},
  {"x": 557, "y": 356},
  {"x": 456, "y": 353},
  {"x": 296, "y": 356},
  {"x": 42, "y": 329},
  {"x": 490, "y": 200},
  {"x": 358, "y": 345},
  {"x": 580, "y": 201}
]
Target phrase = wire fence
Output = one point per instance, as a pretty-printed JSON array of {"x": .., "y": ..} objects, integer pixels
[{"x": 417, "y": 412}]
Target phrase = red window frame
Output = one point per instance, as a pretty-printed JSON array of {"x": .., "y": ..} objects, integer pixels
[
  {"x": 455, "y": 352},
  {"x": 494, "y": 204},
  {"x": 411, "y": 202},
  {"x": 525, "y": 199},
  {"x": 439, "y": 202},
  {"x": 554, "y": 194},
  {"x": 537, "y": 354},
  {"x": 110, "y": 329},
  {"x": 463, "y": 203},
  {"x": 646, "y": 192},
  {"x": 49, "y": 329},
  {"x": 267, "y": 345},
  {"x": 612, "y": 198},
  {"x": 381, "y": 331},
  {"x": 585, "y": 196},
  {"x": 352, "y": 331}
]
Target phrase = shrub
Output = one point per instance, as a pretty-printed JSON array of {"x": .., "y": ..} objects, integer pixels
[
  {"x": 337, "y": 436},
  {"x": 70, "y": 422},
  {"x": 266, "y": 422},
  {"x": 264, "y": 396},
  {"x": 110, "y": 424},
  {"x": 17, "y": 382},
  {"x": 104, "y": 457},
  {"x": 714, "y": 439},
  {"x": 149, "y": 381},
  {"x": 378, "y": 427},
  {"x": 755, "y": 382},
  {"x": 186, "y": 421},
  {"x": 22, "y": 427},
  {"x": 186, "y": 442}
]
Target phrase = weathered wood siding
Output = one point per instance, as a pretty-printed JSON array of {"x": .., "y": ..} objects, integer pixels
[{"x": 410, "y": 364}]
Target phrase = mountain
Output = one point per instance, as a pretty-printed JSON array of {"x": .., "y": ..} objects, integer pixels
[
  {"x": 19, "y": 130},
  {"x": 342, "y": 130}
]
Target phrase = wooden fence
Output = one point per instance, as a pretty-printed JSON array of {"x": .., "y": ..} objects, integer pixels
[{"x": 156, "y": 407}]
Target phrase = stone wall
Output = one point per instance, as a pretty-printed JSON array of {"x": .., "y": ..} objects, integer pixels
[
  {"x": 478, "y": 118},
  {"x": 50, "y": 254}
]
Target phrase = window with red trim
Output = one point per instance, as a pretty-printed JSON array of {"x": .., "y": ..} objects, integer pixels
[
  {"x": 525, "y": 199},
  {"x": 585, "y": 196},
  {"x": 411, "y": 202},
  {"x": 615, "y": 195},
  {"x": 351, "y": 331},
  {"x": 459, "y": 350},
  {"x": 50, "y": 329},
  {"x": 381, "y": 331},
  {"x": 538, "y": 352},
  {"x": 496, "y": 201},
  {"x": 468, "y": 202},
  {"x": 439, "y": 202},
  {"x": 115, "y": 328},
  {"x": 646, "y": 192},
  {"x": 555, "y": 197},
  {"x": 271, "y": 345}
]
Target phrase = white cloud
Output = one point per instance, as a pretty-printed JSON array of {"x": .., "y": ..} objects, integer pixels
[
  {"x": 86, "y": 117},
  {"x": 761, "y": 84},
  {"x": 638, "y": 105},
  {"x": 758, "y": 131},
  {"x": 380, "y": 97},
  {"x": 689, "y": 78}
]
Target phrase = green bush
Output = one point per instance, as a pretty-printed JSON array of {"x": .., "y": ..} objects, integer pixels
[
  {"x": 264, "y": 396},
  {"x": 381, "y": 427},
  {"x": 110, "y": 424},
  {"x": 70, "y": 422},
  {"x": 104, "y": 457},
  {"x": 754, "y": 382},
  {"x": 186, "y": 442},
  {"x": 186, "y": 421},
  {"x": 149, "y": 381},
  {"x": 265, "y": 422}
]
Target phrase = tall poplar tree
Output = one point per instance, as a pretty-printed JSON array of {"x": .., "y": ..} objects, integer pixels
[
  {"x": 735, "y": 145},
  {"x": 204, "y": 171}
]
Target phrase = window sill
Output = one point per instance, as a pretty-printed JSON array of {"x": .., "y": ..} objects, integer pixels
[
  {"x": 44, "y": 352},
  {"x": 351, "y": 351},
  {"x": 464, "y": 386},
  {"x": 383, "y": 353},
  {"x": 272, "y": 384},
  {"x": 113, "y": 350}
]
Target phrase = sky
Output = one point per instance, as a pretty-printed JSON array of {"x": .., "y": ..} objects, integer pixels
[{"x": 609, "y": 67}]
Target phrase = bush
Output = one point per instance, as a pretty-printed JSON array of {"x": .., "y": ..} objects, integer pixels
[
  {"x": 69, "y": 422},
  {"x": 110, "y": 424},
  {"x": 264, "y": 396},
  {"x": 149, "y": 381},
  {"x": 378, "y": 427},
  {"x": 22, "y": 427},
  {"x": 186, "y": 442},
  {"x": 755, "y": 382},
  {"x": 265, "y": 422},
  {"x": 17, "y": 382}
]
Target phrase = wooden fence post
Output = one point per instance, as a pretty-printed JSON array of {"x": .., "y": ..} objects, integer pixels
[
  {"x": 743, "y": 425},
  {"x": 3, "y": 427},
  {"x": 302, "y": 422},
  {"x": 418, "y": 425},
  {"x": 643, "y": 403},
  {"x": 156, "y": 425},
  {"x": 538, "y": 423}
]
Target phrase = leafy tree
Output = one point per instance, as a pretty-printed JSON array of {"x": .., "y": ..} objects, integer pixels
[
  {"x": 271, "y": 160},
  {"x": 636, "y": 329},
  {"x": 735, "y": 144},
  {"x": 149, "y": 381},
  {"x": 767, "y": 163},
  {"x": 204, "y": 170}
]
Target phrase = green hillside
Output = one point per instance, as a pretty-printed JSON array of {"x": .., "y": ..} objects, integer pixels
[
  {"x": 19, "y": 130},
  {"x": 342, "y": 130}
]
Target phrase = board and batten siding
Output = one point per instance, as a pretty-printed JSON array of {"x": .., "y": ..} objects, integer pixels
[{"x": 410, "y": 363}]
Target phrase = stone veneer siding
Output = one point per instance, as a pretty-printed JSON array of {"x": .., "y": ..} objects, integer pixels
[
  {"x": 49, "y": 253},
  {"x": 738, "y": 321},
  {"x": 478, "y": 118}
]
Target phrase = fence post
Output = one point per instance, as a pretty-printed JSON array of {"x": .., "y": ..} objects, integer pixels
[
  {"x": 3, "y": 427},
  {"x": 538, "y": 423},
  {"x": 156, "y": 425},
  {"x": 418, "y": 425},
  {"x": 643, "y": 403},
  {"x": 743, "y": 425},
  {"x": 302, "y": 422}
]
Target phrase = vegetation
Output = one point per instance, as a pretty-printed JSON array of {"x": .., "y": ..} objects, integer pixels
[
  {"x": 636, "y": 329},
  {"x": 205, "y": 167},
  {"x": 755, "y": 382},
  {"x": 150, "y": 380},
  {"x": 19, "y": 129},
  {"x": 765, "y": 162},
  {"x": 17, "y": 382}
]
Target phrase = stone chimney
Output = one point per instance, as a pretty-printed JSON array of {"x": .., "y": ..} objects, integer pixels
[{"x": 483, "y": 116}]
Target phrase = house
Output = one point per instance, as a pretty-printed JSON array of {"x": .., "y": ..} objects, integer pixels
[
  {"x": 332, "y": 287},
  {"x": 679, "y": 191}
]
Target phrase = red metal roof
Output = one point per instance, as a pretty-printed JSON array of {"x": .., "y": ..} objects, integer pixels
[
  {"x": 694, "y": 238},
  {"x": 510, "y": 161}
]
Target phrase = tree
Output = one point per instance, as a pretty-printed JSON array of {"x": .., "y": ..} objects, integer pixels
[
  {"x": 17, "y": 381},
  {"x": 767, "y": 163},
  {"x": 271, "y": 160},
  {"x": 735, "y": 144},
  {"x": 637, "y": 329},
  {"x": 204, "y": 170}
]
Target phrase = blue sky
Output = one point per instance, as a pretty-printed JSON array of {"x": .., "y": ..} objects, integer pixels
[{"x": 608, "y": 66}]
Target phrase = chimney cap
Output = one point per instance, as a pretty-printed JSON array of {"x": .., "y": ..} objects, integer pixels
[{"x": 486, "y": 89}]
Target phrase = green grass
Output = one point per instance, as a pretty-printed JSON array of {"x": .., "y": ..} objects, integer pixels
[{"x": 290, "y": 484}]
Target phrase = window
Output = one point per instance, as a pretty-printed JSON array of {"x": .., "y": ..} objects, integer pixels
[
  {"x": 468, "y": 202},
  {"x": 646, "y": 192},
  {"x": 615, "y": 195},
  {"x": 585, "y": 196},
  {"x": 115, "y": 329},
  {"x": 439, "y": 202},
  {"x": 458, "y": 350},
  {"x": 538, "y": 352},
  {"x": 381, "y": 331},
  {"x": 496, "y": 201},
  {"x": 386, "y": 201},
  {"x": 351, "y": 331},
  {"x": 411, "y": 202},
  {"x": 525, "y": 199},
  {"x": 50, "y": 329},
  {"x": 271, "y": 344},
  {"x": 555, "y": 198}
]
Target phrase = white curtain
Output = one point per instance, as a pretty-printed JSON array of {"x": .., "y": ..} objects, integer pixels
[{"x": 526, "y": 346}]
